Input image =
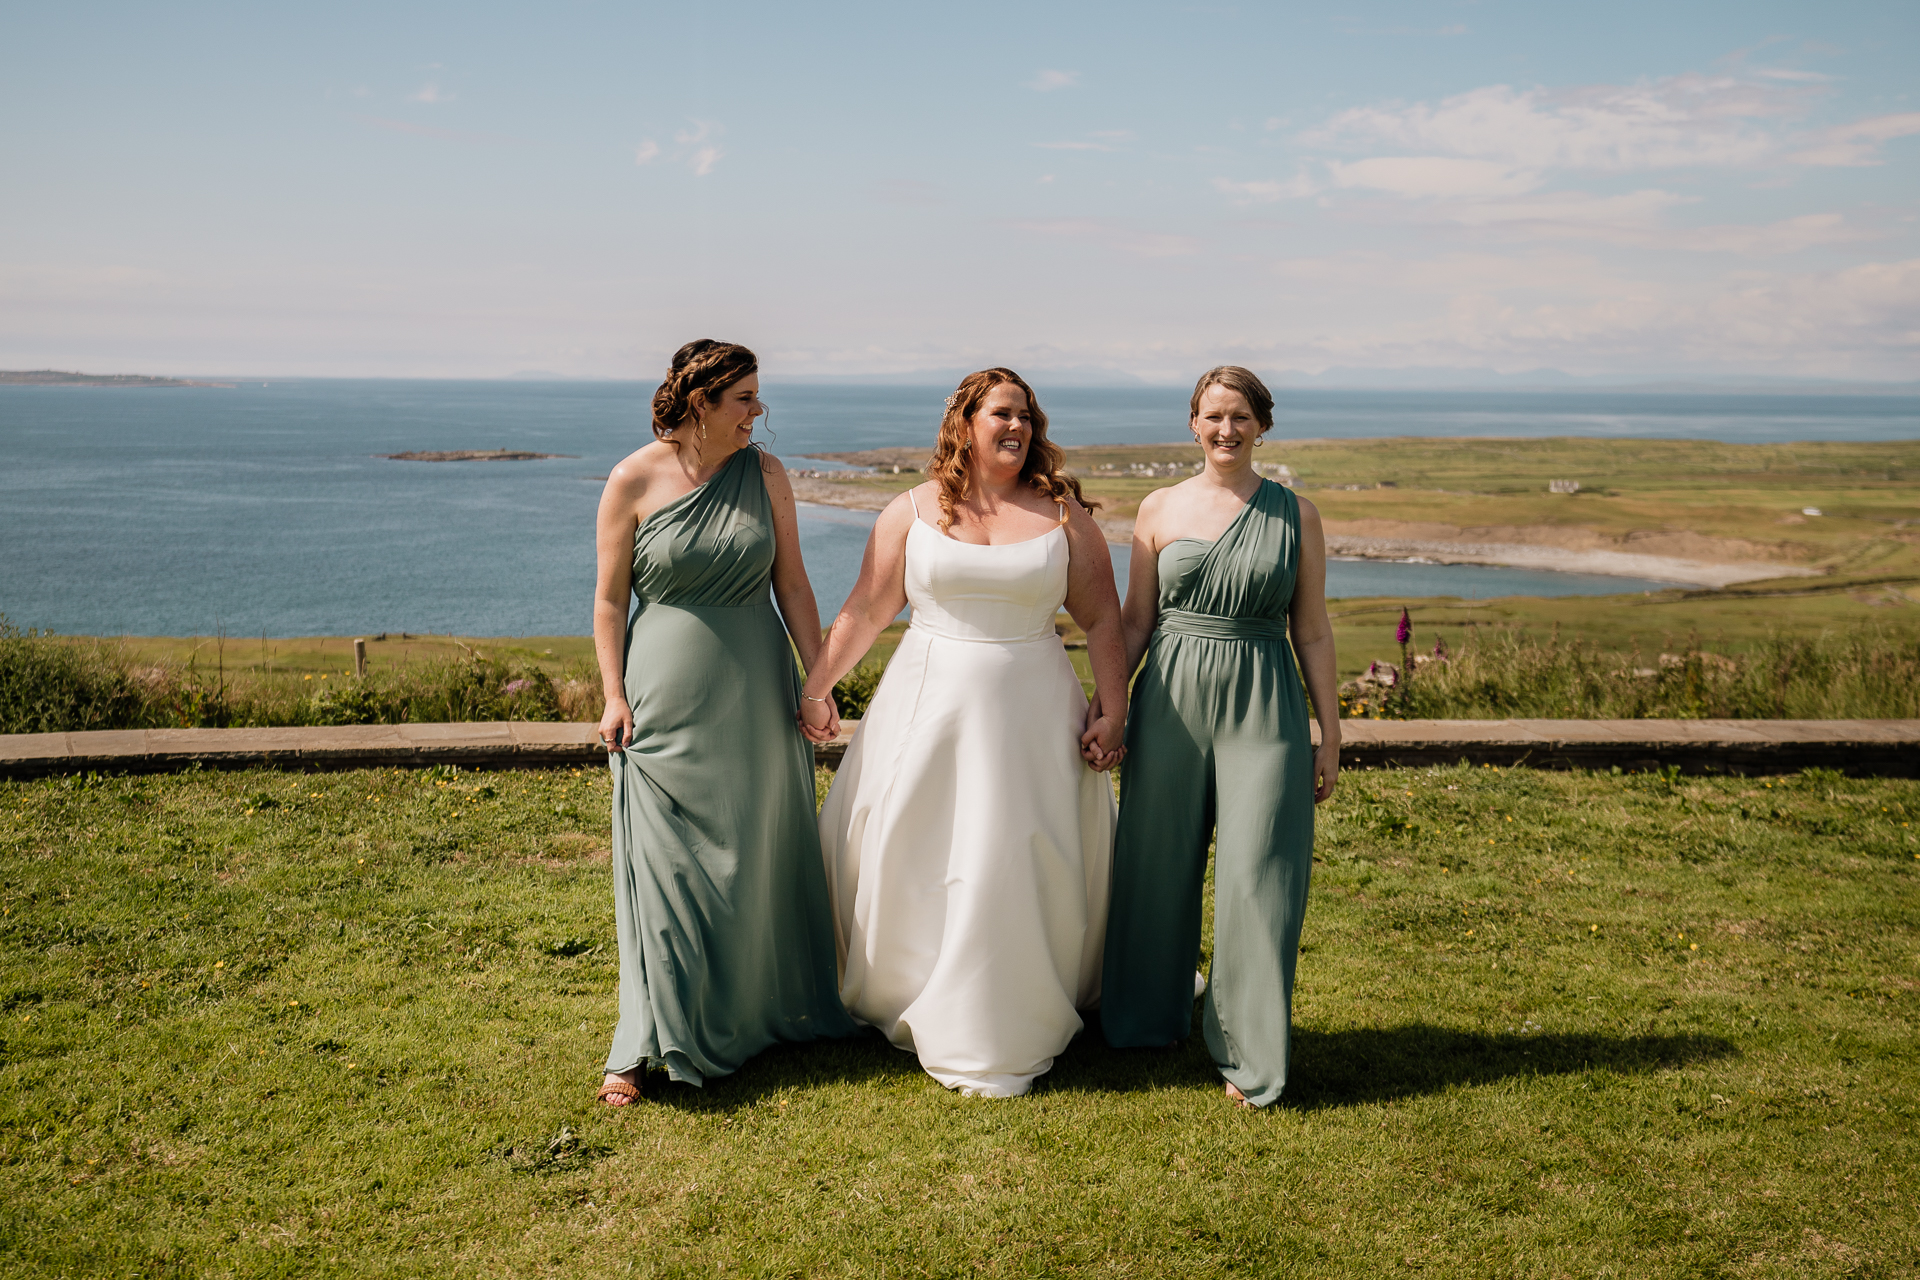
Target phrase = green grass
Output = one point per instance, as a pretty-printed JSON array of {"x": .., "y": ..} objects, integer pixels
[
  {"x": 350, "y": 1024},
  {"x": 1866, "y": 675}
]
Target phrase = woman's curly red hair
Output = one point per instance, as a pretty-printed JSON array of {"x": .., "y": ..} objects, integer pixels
[{"x": 950, "y": 468}]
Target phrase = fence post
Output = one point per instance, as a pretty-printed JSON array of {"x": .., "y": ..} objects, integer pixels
[{"x": 360, "y": 658}]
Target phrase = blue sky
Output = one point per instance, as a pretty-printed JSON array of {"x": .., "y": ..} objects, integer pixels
[{"x": 1643, "y": 190}]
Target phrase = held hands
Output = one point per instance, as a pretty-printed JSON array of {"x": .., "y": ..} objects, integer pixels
[
  {"x": 820, "y": 721},
  {"x": 616, "y": 726},
  {"x": 1102, "y": 743}
]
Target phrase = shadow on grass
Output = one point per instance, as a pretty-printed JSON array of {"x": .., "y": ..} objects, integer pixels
[
  {"x": 863, "y": 1059},
  {"x": 1362, "y": 1065},
  {"x": 1381, "y": 1064},
  {"x": 1329, "y": 1068}
]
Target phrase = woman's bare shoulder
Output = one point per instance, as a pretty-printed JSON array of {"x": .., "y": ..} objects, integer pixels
[
  {"x": 898, "y": 515},
  {"x": 643, "y": 464},
  {"x": 1162, "y": 505}
]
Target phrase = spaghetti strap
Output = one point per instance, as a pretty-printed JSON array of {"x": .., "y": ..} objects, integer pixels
[
  {"x": 1063, "y": 511},
  {"x": 915, "y": 501}
]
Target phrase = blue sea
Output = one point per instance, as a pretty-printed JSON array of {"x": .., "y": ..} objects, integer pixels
[{"x": 261, "y": 508}]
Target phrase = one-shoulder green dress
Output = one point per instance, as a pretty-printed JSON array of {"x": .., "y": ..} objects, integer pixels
[
  {"x": 720, "y": 895},
  {"x": 1217, "y": 743}
]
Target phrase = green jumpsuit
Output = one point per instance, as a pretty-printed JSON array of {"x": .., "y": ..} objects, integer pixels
[
  {"x": 719, "y": 891},
  {"x": 1216, "y": 743}
]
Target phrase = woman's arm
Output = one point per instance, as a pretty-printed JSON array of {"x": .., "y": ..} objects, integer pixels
[
  {"x": 876, "y": 600},
  {"x": 1313, "y": 642},
  {"x": 1095, "y": 606},
  {"x": 791, "y": 588},
  {"x": 612, "y": 588},
  {"x": 1142, "y": 608}
]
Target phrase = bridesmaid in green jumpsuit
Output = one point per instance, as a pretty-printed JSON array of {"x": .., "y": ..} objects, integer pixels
[
  {"x": 720, "y": 894},
  {"x": 1226, "y": 567}
]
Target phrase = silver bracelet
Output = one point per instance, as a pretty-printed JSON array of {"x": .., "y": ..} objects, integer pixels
[{"x": 810, "y": 698}]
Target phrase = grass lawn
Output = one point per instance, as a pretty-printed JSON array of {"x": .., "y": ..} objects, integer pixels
[{"x": 1547, "y": 1024}]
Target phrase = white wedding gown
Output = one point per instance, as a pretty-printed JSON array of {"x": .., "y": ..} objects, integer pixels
[{"x": 968, "y": 845}]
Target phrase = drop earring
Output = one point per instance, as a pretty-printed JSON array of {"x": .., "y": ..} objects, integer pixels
[{"x": 703, "y": 431}]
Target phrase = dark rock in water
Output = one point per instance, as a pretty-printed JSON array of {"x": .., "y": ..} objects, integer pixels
[{"x": 472, "y": 455}]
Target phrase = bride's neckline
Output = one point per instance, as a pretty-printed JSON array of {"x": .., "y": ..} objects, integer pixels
[{"x": 947, "y": 537}]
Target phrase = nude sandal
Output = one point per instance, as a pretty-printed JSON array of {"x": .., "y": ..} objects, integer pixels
[{"x": 618, "y": 1089}]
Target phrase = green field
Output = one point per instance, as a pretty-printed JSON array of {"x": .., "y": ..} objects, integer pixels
[
  {"x": 1547, "y": 1024},
  {"x": 1631, "y": 490}
]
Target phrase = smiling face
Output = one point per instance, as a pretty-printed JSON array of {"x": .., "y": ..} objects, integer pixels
[
  {"x": 1001, "y": 429},
  {"x": 732, "y": 410},
  {"x": 1226, "y": 428}
]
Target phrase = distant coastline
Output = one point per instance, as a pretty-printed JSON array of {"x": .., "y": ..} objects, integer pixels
[
  {"x": 472, "y": 455},
  {"x": 60, "y": 378}
]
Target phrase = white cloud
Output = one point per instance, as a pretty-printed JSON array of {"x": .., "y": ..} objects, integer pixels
[
  {"x": 1681, "y": 121},
  {"x": 1299, "y": 188},
  {"x": 1115, "y": 236},
  {"x": 1444, "y": 176},
  {"x": 1575, "y": 211},
  {"x": 1571, "y": 311},
  {"x": 431, "y": 92},
  {"x": 1635, "y": 219},
  {"x": 1048, "y": 81},
  {"x": 696, "y": 146},
  {"x": 1856, "y": 144}
]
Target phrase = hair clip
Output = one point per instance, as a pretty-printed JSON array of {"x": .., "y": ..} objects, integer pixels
[{"x": 953, "y": 400}]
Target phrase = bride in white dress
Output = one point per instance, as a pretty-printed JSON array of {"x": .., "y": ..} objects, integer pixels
[{"x": 969, "y": 831}]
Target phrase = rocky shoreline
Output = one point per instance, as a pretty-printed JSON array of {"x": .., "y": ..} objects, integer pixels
[{"x": 472, "y": 455}]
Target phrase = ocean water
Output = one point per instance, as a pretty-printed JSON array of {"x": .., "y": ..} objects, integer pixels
[{"x": 261, "y": 508}]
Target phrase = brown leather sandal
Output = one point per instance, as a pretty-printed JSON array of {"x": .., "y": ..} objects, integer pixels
[{"x": 618, "y": 1089}]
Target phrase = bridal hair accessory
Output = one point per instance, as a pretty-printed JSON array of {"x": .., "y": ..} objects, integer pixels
[{"x": 953, "y": 400}]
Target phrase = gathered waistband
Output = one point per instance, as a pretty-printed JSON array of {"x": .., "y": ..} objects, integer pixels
[
  {"x": 1211, "y": 626},
  {"x": 1037, "y": 637},
  {"x": 643, "y": 605}
]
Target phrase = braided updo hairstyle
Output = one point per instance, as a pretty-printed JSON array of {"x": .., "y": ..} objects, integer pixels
[{"x": 703, "y": 368}]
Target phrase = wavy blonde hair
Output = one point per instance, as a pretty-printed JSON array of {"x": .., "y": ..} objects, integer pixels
[{"x": 950, "y": 468}]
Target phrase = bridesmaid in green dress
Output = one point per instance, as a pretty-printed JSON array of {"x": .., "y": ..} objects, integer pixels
[
  {"x": 720, "y": 895},
  {"x": 1226, "y": 566}
]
